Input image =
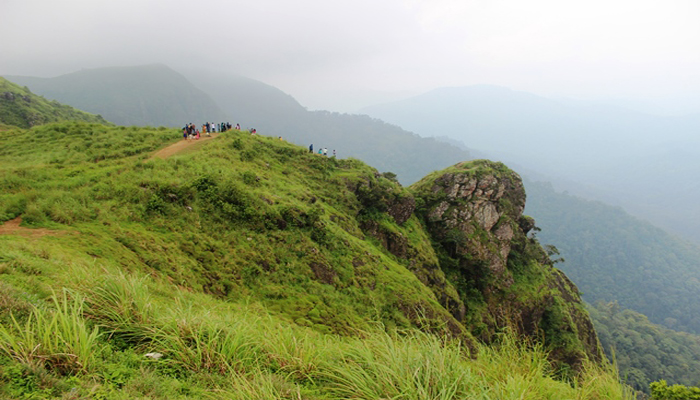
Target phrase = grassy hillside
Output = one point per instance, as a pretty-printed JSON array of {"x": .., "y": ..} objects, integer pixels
[
  {"x": 152, "y": 95},
  {"x": 20, "y": 107},
  {"x": 245, "y": 262}
]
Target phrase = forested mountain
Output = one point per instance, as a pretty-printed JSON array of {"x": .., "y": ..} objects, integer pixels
[
  {"x": 642, "y": 162},
  {"x": 152, "y": 95},
  {"x": 22, "y": 108},
  {"x": 646, "y": 352},
  {"x": 613, "y": 256}
]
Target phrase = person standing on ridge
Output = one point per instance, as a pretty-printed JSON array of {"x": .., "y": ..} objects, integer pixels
[{"x": 311, "y": 148}]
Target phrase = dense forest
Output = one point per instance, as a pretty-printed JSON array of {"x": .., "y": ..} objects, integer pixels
[
  {"x": 613, "y": 256},
  {"x": 645, "y": 352}
]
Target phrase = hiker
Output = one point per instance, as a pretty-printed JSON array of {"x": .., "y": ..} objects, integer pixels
[
  {"x": 333, "y": 153},
  {"x": 197, "y": 135},
  {"x": 320, "y": 151},
  {"x": 325, "y": 152},
  {"x": 238, "y": 127},
  {"x": 311, "y": 148},
  {"x": 184, "y": 133}
]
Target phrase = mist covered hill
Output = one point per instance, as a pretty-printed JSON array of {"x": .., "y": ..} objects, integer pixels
[
  {"x": 642, "y": 162},
  {"x": 152, "y": 95}
]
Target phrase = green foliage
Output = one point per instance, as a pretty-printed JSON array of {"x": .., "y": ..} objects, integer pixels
[
  {"x": 645, "y": 352},
  {"x": 210, "y": 348},
  {"x": 661, "y": 391}
]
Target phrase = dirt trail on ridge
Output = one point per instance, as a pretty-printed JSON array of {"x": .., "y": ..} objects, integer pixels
[
  {"x": 12, "y": 227},
  {"x": 180, "y": 146}
]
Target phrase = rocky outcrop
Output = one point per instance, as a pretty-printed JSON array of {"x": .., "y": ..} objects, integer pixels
[
  {"x": 474, "y": 214},
  {"x": 504, "y": 279}
]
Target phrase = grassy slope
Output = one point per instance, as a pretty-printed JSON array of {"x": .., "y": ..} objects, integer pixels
[
  {"x": 208, "y": 257},
  {"x": 20, "y": 107}
]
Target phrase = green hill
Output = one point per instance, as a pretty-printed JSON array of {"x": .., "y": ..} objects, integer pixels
[
  {"x": 20, "y": 107},
  {"x": 248, "y": 268},
  {"x": 146, "y": 95}
]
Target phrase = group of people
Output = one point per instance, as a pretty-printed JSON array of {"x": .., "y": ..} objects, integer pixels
[
  {"x": 190, "y": 131},
  {"x": 321, "y": 151}
]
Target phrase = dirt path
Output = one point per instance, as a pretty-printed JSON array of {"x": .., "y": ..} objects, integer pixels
[
  {"x": 180, "y": 146},
  {"x": 12, "y": 227}
]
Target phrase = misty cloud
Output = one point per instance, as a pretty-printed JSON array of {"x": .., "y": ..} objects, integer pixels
[{"x": 313, "y": 49}]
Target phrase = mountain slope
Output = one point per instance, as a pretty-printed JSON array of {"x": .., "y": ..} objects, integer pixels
[
  {"x": 145, "y": 95},
  {"x": 615, "y": 257},
  {"x": 20, "y": 107}
]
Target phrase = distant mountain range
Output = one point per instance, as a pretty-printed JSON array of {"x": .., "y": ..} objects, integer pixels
[{"x": 642, "y": 162}]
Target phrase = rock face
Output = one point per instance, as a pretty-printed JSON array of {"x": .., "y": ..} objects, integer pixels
[
  {"x": 504, "y": 279},
  {"x": 475, "y": 215}
]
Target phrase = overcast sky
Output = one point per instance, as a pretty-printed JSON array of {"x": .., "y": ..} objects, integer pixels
[{"x": 340, "y": 54}]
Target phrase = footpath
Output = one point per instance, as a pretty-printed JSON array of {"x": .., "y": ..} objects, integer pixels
[{"x": 181, "y": 146}]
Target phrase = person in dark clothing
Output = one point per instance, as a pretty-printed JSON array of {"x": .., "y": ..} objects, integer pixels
[{"x": 311, "y": 148}]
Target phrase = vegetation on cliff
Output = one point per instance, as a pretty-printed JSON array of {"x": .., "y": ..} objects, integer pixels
[
  {"x": 474, "y": 213},
  {"x": 245, "y": 267}
]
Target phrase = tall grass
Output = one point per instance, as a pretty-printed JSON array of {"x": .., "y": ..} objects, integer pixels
[{"x": 57, "y": 338}]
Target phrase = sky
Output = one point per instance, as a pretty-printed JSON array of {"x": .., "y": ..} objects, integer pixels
[{"x": 341, "y": 55}]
